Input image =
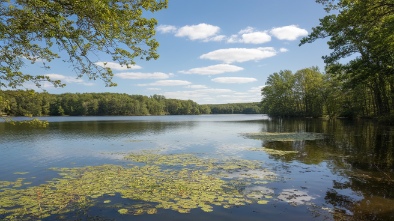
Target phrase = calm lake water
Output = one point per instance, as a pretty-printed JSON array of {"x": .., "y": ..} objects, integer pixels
[{"x": 309, "y": 169}]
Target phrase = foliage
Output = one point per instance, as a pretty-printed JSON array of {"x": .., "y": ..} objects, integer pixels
[
  {"x": 290, "y": 95},
  {"x": 179, "y": 182},
  {"x": 236, "y": 108},
  {"x": 363, "y": 30},
  {"x": 34, "y": 31},
  {"x": 30, "y": 103}
]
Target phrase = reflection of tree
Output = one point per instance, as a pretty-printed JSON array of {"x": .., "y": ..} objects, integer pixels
[
  {"x": 360, "y": 151},
  {"x": 100, "y": 128}
]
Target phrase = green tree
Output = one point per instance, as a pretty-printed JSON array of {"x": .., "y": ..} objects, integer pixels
[
  {"x": 278, "y": 95},
  {"x": 363, "y": 29},
  {"x": 35, "y": 30},
  {"x": 309, "y": 88},
  {"x": 294, "y": 95}
]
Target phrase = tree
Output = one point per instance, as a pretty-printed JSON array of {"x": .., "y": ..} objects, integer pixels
[
  {"x": 364, "y": 29},
  {"x": 294, "y": 95},
  {"x": 309, "y": 88},
  {"x": 35, "y": 30},
  {"x": 278, "y": 94}
]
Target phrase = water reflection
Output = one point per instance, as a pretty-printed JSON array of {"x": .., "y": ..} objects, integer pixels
[
  {"x": 360, "y": 152},
  {"x": 349, "y": 171}
]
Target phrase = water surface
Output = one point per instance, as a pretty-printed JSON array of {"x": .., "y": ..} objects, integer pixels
[{"x": 346, "y": 173}]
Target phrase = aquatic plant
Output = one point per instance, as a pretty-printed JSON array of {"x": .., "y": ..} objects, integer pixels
[
  {"x": 179, "y": 182},
  {"x": 267, "y": 136},
  {"x": 273, "y": 151}
]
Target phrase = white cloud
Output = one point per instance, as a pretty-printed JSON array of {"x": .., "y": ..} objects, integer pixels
[
  {"x": 255, "y": 89},
  {"x": 231, "y": 55},
  {"x": 196, "y": 86},
  {"x": 116, "y": 66},
  {"x": 154, "y": 89},
  {"x": 233, "y": 80},
  {"x": 167, "y": 83},
  {"x": 166, "y": 28},
  {"x": 198, "y": 32},
  {"x": 214, "y": 96},
  {"x": 66, "y": 79},
  {"x": 256, "y": 38},
  {"x": 213, "y": 69},
  {"x": 283, "y": 50},
  {"x": 197, "y": 95},
  {"x": 250, "y": 36},
  {"x": 290, "y": 33},
  {"x": 216, "y": 38},
  {"x": 139, "y": 75}
]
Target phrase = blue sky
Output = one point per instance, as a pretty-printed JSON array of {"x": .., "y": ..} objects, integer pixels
[{"x": 213, "y": 51}]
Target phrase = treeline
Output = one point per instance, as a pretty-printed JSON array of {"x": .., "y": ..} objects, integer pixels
[
  {"x": 310, "y": 93},
  {"x": 30, "y": 103},
  {"x": 235, "y": 108}
]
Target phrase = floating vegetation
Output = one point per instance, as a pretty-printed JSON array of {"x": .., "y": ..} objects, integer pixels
[
  {"x": 260, "y": 194},
  {"x": 295, "y": 197},
  {"x": 123, "y": 211},
  {"x": 273, "y": 151},
  {"x": 284, "y": 136},
  {"x": 180, "y": 182},
  {"x": 21, "y": 173}
]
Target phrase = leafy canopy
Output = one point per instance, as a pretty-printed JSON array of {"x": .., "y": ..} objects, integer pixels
[
  {"x": 364, "y": 30},
  {"x": 358, "y": 27},
  {"x": 36, "y": 31}
]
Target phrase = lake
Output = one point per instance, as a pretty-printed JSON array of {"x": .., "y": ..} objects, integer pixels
[{"x": 206, "y": 167}]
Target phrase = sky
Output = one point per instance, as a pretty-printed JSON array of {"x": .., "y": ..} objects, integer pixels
[{"x": 213, "y": 51}]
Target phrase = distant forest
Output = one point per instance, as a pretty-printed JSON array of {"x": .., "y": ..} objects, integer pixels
[{"x": 31, "y": 103}]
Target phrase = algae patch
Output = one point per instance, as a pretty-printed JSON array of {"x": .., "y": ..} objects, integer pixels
[
  {"x": 180, "y": 182},
  {"x": 273, "y": 151},
  {"x": 267, "y": 136}
]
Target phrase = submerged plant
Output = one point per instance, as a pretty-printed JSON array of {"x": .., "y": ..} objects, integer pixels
[{"x": 179, "y": 182}]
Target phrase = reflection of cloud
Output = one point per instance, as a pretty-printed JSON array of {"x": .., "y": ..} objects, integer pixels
[
  {"x": 116, "y": 66},
  {"x": 214, "y": 69},
  {"x": 233, "y": 80},
  {"x": 231, "y": 55},
  {"x": 290, "y": 33},
  {"x": 139, "y": 75},
  {"x": 294, "y": 196}
]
